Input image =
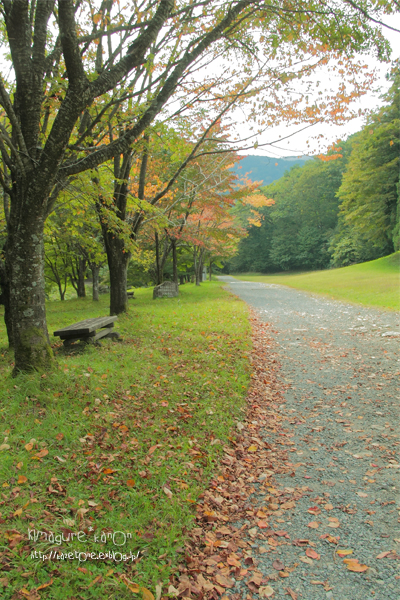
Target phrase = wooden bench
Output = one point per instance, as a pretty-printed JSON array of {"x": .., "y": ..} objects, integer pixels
[{"x": 87, "y": 331}]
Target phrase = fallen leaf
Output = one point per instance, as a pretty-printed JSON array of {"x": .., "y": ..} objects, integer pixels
[
  {"x": 167, "y": 492},
  {"x": 383, "y": 554},
  {"x": 59, "y": 436},
  {"x": 344, "y": 552},
  {"x": 314, "y": 510},
  {"x": 5, "y": 447},
  {"x": 130, "y": 483},
  {"x": 278, "y": 565},
  {"x": 22, "y": 479},
  {"x": 252, "y": 448},
  {"x": 262, "y": 524},
  {"x": 225, "y": 582},
  {"x": 266, "y": 591},
  {"x": 306, "y": 560},
  {"x": 362, "y": 494},
  {"x": 313, "y": 525},
  {"x": 41, "y": 454},
  {"x": 353, "y": 565},
  {"x": 108, "y": 471},
  {"x": 147, "y": 595},
  {"x": 312, "y": 554},
  {"x": 18, "y": 512},
  {"x": 291, "y": 593}
]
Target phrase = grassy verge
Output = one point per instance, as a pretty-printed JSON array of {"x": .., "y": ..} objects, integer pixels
[
  {"x": 375, "y": 283},
  {"x": 120, "y": 438}
]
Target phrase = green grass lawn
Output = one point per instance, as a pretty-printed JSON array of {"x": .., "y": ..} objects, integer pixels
[
  {"x": 375, "y": 283},
  {"x": 118, "y": 438}
]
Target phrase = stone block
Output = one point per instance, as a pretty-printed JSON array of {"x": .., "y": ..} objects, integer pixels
[{"x": 168, "y": 289}]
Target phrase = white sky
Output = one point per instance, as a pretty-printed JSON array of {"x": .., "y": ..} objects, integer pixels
[{"x": 305, "y": 142}]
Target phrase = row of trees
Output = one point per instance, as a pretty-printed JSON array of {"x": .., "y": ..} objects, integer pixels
[
  {"x": 337, "y": 209},
  {"x": 92, "y": 85}
]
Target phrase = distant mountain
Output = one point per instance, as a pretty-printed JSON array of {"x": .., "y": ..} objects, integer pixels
[{"x": 266, "y": 168}]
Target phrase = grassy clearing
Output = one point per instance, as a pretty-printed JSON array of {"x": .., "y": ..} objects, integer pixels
[
  {"x": 375, "y": 283},
  {"x": 120, "y": 438}
]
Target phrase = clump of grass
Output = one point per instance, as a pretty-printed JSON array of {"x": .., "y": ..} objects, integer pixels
[
  {"x": 119, "y": 438},
  {"x": 375, "y": 283}
]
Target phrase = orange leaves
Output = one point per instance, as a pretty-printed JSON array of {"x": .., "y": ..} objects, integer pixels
[
  {"x": 41, "y": 454},
  {"x": 353, "y": 565},
  {"x": 29, "y": 446},
  {"x": 333, "y": 522},
  {"x": 312, "y": 554},
  {"x": 22, "y": 479},
  {"x": 108, "y": 471},
  {"x": 130, "y": 483},
  {"x": 313, "y": 525},
  {"x": 262, "y": 524}
]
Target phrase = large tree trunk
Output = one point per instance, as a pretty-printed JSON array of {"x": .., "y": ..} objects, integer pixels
[
  {"x": 5, "y": 299},
  {"x": 25, "y": 271},
  {"x": 95, "y": 277},
  {"x": 118, "y": 260}
]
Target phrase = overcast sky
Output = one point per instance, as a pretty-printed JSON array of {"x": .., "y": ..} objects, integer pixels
[{"x": 305, "y": 142}]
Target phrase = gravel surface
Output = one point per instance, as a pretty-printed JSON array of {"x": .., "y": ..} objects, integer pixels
[{"x": 340, "y": 373}]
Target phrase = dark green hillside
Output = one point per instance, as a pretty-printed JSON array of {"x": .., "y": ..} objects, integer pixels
[{"x": 267, "y": 168}]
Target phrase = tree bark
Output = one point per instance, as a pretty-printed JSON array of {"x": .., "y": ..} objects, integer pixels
[
  {"x": 159, "y": 275},
  {"x": 25, "y": 272},
  {"x": 209, "y": 274},
  {"x": 95, "y": 277},
  {"x": 5, "y": 299},
  {"x": 174, "y": 263},
  {"x": 81, "y": 290},
  {"x": 118, "y": 260}
]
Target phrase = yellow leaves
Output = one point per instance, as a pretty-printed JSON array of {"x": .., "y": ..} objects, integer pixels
[
  {"x": 252, "y": 448},
  {"x": 22, "y": 479},
  {"x": 29, "y": 446},
  {"x": 18, "y": 512},
  {"x": 136, "y": 588},
  {"x": 391, "y": 143},
  {"x": 258, "y": 200},
  {"x": 353, "y": 565},
  {"x": 342, "y": 553}
]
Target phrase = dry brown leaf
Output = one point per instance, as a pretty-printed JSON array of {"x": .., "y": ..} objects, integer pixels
[
  {"x": 22, "y": 479},
  {"x": 266, "y": 591},
  {"x": 225, "y": 582}
]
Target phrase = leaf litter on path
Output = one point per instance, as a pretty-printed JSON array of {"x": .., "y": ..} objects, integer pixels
[{"x": 246, "y": 490}]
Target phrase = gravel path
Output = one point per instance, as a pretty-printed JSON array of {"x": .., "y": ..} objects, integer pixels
[{"x": 340, "y": 371}]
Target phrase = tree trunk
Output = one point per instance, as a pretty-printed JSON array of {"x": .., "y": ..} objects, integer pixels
[
  {"x": 159, "y": 275},
  {"x": 209, "y": 274},
  {"x": 95, "y": 276},
  {"x": 174, "y": 263},
  {"x": 25, "y": 272},
  {"x": 5, "y": 299},
  {"x": 62, "y": 292},
  {"x": 118, "y": 260},
  {"x": 81, "y": 290}
]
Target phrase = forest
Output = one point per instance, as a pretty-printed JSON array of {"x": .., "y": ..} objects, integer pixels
[{"x": 335, "y": 210}]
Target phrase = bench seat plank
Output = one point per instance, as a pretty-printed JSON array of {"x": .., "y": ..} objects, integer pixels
[{"x": 86, "y": 327}]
